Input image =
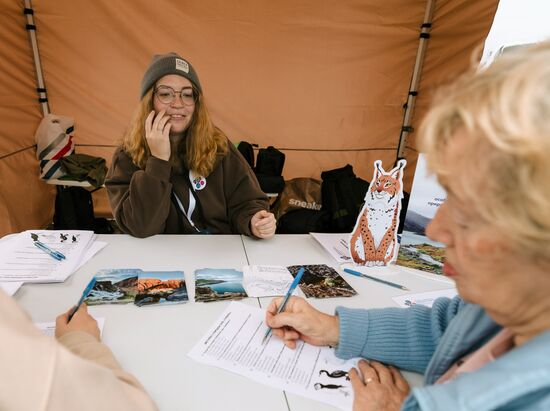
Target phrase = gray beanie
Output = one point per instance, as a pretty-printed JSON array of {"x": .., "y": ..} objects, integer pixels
[{"x": 170, "y": 63}]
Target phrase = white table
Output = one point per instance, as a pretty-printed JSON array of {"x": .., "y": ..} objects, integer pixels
[{"x": 152, "y": 342}]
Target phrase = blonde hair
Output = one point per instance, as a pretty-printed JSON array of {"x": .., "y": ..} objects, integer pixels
[
  {"x": 505, "y": 111},
  {"x": 199, "y": 150}
]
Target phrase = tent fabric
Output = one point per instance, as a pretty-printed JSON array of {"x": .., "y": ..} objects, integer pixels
[{"x": 324, "y": 81}]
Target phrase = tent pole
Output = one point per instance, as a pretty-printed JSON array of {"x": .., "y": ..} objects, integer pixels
[
  {"x": 413, "y": 88},
  {"x": 31, "y": 28}
]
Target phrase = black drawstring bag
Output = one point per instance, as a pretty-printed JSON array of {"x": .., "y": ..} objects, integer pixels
[
  {"x": 342, "y": 194},
  {"x": 269, "y": 169},
  {"x": 247, "y": 151}
]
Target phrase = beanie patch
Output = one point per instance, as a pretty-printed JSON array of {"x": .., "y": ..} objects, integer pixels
[
  {"x": 169, "y": 63},
  {"x": 182, "y": 65}
]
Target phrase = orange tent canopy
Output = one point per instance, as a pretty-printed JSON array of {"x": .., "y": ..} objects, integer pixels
[{"x": 324, "y": 81}]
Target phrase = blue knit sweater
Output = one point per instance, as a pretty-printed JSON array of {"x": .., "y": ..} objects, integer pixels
[{"x": 431, "y": 340}]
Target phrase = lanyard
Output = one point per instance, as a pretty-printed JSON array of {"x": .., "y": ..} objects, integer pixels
[
  {"x": 189, "y": 212},
  {"x": 192, "y": 203}
]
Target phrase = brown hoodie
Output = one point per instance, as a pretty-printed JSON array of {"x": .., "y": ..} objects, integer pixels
[{"x": 143, "y": 204}]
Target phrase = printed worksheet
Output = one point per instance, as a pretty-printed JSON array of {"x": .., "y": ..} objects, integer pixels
[
  {"x": 10, "y": 288},
  {"x": 427, "y": 298},
  {"x": 48, "y": 328},
  {"x": 335, "y": 244},
  {"x": 22, "y": 261},
  {"x": 234, "y": 343}
]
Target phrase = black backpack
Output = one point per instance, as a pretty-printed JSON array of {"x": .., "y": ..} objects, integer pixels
[
  {"x": 74, "y": 210},
  {"x": 270, "y": 161},
  {"x": 303, "y": 221},
  {"x": 247, "y": 151},
  {"x": 342, "y": 193},
  {"x": 269, "y": 169}
]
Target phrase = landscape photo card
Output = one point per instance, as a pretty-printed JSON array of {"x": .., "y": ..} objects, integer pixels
[
  {"x": 114, "y": 286},
  {"x": 132, "y": 285},
  {"x": 215, "y": 284},
  {"x": 161, "y": 287},
  {"x": 322, "y": 281},
  {"x": 416, "y": 250}
]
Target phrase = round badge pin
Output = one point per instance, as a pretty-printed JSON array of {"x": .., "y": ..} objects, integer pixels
[{"x": 199, "y": 183}]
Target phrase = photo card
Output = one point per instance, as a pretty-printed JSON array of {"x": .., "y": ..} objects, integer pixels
[
  {"x": 114, "y": 286},
  {"x": 322, "y": 281},
  {"x": 214, "y": 284},
  {"x": 161, "y": 287}
]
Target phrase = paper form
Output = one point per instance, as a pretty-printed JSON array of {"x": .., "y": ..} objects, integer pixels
[
  {"x": 335, "y": 244},
  {"x": 10, "y": 288},
  {"x": 21, "y": 261},
  {"x": 48, "y": 328},
  {"x": 426, "y": 298},
  {"x": 234, "y": 343}
]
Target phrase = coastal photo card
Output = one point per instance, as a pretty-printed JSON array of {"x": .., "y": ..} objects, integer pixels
[
  {"x": 215, "y": 284},
  {"x": 322, "y": 281},
  {"x": 161, "y": 287},
  {"x": 114, "y": 286},
  {"x": 132, "y": 285},
  {"x": 416, "y": 250}
]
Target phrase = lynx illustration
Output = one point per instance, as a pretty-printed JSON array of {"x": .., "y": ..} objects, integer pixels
[{"x": 374, "y": 239}]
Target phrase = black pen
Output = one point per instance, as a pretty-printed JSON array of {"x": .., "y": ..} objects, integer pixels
[{"x": 358, "y": 274}]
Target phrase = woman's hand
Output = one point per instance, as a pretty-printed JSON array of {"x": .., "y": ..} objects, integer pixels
[
  {"x": 81, "y": 321},
  {"x": 380, "y": 388},
  {"x": 301, "y": 321},
  {"x": 157, "y": 134},
  {"x": 263, "y": 224}
]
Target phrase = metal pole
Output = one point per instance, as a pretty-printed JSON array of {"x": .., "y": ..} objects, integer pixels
[
  {"x": 41, "y": 89},
  {"x": 413, "y": 88}
]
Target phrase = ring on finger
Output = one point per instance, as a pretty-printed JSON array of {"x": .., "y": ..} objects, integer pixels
[{"x": 368, "y": 380}]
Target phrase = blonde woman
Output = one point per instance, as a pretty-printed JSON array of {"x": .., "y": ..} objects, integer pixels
[
  {"x": 487, "y": 138},
  {"x": 177, "y": 173}
]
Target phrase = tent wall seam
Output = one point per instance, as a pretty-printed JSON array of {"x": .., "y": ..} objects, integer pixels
[
  {"x": 425, "y": 29},
  {"x": 31, "y": 28},
  {"x": 336, "y": 149},
  {"x": 17, "y": 151}
]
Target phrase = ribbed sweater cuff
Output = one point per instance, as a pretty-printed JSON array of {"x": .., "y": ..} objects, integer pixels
[
  {"x": 353, "y": 325},
  {"x": 390, "y": 335},
  {"x": 160, "y": 169}
]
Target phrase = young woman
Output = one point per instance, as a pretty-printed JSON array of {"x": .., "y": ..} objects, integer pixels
[{"x": 175, "y": 172}]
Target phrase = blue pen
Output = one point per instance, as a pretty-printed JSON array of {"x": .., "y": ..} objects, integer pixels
[
  {"x": 287, "y": 296},
  {"x": 84, "y": 295},
  {"x": 358, "y": 274},
  {"x": 55, "y": 254}
]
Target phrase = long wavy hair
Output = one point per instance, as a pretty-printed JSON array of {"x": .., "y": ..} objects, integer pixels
[{"x": 201, "y": 146}]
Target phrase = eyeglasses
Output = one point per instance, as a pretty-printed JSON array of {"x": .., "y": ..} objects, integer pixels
[{"x": 167, "y": 95}]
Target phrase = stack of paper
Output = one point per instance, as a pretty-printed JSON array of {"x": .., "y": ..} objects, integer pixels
[{"x": 22, "y": 261}]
